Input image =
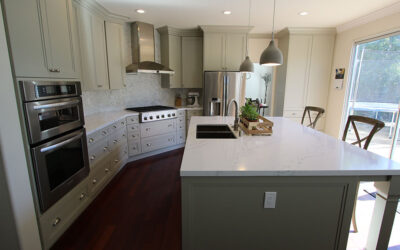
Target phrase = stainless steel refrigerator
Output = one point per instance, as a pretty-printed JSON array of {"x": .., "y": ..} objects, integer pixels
[{"x": 219, "y": 88}]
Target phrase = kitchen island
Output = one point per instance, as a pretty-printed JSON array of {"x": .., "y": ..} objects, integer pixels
[{"x": 314, "y": 177}]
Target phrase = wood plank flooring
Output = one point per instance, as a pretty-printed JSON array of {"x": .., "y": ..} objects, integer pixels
[{"x": 139, "y": 209}]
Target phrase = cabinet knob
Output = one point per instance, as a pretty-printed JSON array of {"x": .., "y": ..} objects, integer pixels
[
  {"x": 147, "y": 129},
  {"x": 99, "y": 86},
  {"x": 92, "y": 157},
  {"x": 169, "y": 125},
  {"x": 116, "y": 161},
  {"x": 104, "y": 132},
  {"x": 134, "y": 148},
  {"x": 56, "y": 221},
  {"x": 94, "y": 181},
  {"x": 115, "y": 141},
  {"x": 148, "y": 144},
  {"x": 106, "y": 170},
  {"x": 114, "y": 126},
  {"x": 91, "y": 140},
  {"x": 82, "y": 196}
]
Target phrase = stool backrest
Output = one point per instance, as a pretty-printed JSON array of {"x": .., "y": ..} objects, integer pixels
[{"x": 308, "y": 111}]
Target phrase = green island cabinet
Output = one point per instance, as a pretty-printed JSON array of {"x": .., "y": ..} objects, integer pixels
[
  {"x": 101, "y": 47},
  {"x": 224, "y": 47},
  {"x": 43, "y": 38},
  {"x": 182, "y": 51}
]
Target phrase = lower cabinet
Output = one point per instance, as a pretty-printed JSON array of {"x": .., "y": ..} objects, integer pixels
[{"x": 156, "y": 142}]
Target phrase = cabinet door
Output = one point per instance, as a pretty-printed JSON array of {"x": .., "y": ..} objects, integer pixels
[
  {"x": 93, "y": 50},
  {"x": 320, "y": 70},
  {"x": 56, "y": 19},
  {"x": 175, "y": 60},
  {"x": 25, "y": 33},
  {"x": 192, "y": 62},
  {"x": 297, "y": 71},
  {"x": 235, "y": 51},
  {"x": 116, "y": 68},
  {"x": 214, "y": 51}
]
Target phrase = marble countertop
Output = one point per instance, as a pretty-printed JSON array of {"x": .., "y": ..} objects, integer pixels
[
  {"x": 100, "y": 120},
  {"x": 292, "y": 150}
]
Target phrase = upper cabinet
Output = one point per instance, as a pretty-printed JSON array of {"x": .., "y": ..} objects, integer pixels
[
  {"x": 224, "y": 47},
  {"x": 303, "y": 79},
  {"x": 42, "y": 38},
  {"x": 101, "y": 47},
  {"x": 182, "y": 51}
]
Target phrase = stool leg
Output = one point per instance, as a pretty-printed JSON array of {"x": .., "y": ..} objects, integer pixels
[{"x": 353, "y": 218}]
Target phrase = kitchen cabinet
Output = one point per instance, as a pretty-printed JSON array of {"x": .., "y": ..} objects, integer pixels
[
  {"x": 182, "y": 51},
  {"x": 115, "y": 55},
  {"x": 304, "y": 78},
  {"x": 224, "y": 47},
  {"x": 93, "y": 50},
  {"x": 42, "y": 38}
]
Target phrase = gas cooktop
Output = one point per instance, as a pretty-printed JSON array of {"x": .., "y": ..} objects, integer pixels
[{"x": 154, "y": 113}]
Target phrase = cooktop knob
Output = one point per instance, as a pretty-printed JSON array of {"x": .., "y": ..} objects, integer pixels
[
  {"x": 162, "y": 116},
  {"x": 173, "y": 114},
  {"x": 145, "y": 118},
  {"x": 158, "y": 117},
  {"x": 169, "y": 115},
  {"x": 151, "y": 118}
]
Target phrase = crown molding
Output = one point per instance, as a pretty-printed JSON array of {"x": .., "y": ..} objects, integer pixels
[
  {"x": 387, "y": 11},
  {"x": 97, "y": 8},
  {"x": 306, "y": 31},
  {"x": 226, "y": 29},
  {"x": 196, "y": 32}
]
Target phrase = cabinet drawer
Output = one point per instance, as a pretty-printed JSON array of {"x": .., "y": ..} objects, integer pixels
[
  {"x": 157, "y": 128},
  {"x": 133, "y": 128},
  {"x": 181, "y": 137},
  {"x": 117, "y": 139},
  {"x": 134, "y": 136},
  {"x": 56, "y": 220},
  {"x": 99, "y": 176},
  {"x": 92, "y": 138},
  {"x": 132, "y": 119},
  {"x": 118, "y": 157},
  {"x": 134, "y": 148},
  {"x": 181, "y": 113},
  {"x": 293, "y": 113},
  {"x": 98, "y": 151},
  {"x": 116, "y": 126},
  {"x": 157, "y": 142}
]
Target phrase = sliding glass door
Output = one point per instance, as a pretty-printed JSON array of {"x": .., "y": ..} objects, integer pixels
[{"x": 375, "y": 91}]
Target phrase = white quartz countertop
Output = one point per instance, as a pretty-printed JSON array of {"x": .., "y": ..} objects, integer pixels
[
  {"x": 189, "y": 107},
  {"x": 292, "y": 150},
  {"x": 100, "y": 120}
]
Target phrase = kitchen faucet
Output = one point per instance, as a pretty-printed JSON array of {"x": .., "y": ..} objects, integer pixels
[{"x": 236, "y": 124}]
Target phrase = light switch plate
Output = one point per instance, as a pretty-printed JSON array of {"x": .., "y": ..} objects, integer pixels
[{"x": 270, "y": 200}]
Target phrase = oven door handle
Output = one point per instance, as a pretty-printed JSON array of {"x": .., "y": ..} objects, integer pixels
[
  {"x": 55, "y": 105},
  {"x": 58, "y": 145}
]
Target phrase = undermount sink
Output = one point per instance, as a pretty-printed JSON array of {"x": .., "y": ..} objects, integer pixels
[{"x": 214, "y": 131}]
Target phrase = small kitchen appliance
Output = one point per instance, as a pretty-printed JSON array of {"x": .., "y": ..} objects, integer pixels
[{"x": 193, "y": 99}]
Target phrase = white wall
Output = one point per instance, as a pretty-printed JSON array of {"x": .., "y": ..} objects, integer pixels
[
  {"x": 13, "y": 157},
  {"x": 342, "y": 59}
]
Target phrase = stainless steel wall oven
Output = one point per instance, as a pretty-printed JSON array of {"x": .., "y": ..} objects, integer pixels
[{"x": 54, "y": 120}]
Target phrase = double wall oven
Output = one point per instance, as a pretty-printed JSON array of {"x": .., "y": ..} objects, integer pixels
[{"x": 54, "y": 120}]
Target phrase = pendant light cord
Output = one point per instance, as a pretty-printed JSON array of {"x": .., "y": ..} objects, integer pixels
[
  {"x": 273, "y": 22},
  {"x": 247, "y": 33}
]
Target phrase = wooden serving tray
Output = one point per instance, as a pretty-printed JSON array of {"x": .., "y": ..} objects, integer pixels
[{"x": 263, "y": 127}]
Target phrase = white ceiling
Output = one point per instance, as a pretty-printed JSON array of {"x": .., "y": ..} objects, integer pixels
[{"x": 191, "y": 13}]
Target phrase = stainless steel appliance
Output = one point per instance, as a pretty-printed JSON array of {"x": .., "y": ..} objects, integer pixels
[
  {"x": 192, "y": 99},
  {"x": 154, "y": 113},
  {"x": 219, "y": 89},
  {"x": 54, "y": 120}
]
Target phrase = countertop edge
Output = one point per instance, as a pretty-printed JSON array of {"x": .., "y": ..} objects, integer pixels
[{"x": 108, "y": 122}]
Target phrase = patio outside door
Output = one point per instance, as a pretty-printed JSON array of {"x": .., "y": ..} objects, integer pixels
[{"x": 375, "y": 91}]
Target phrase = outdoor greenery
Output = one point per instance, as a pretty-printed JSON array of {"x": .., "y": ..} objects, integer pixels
[{"x": 377, "y": 68}]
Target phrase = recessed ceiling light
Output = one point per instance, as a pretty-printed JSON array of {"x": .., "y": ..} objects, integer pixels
[
  {"x": 140, "y": 11},
  {"x": 303, "y": 13},
  {"x": 227, "y": 12}
]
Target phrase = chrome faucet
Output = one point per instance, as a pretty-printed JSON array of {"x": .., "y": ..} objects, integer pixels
[{"x": 236, "y": 124}]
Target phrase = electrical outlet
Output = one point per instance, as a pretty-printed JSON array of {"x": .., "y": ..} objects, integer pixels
[{"x": 270, "y": 200}]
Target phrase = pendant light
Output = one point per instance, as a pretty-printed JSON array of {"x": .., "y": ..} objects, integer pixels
[
  {"x": 272, "y": 56},
  {"x": 247, "y": 64}
]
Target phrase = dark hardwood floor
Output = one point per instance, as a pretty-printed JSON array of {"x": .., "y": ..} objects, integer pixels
[{"x": 139, "y": 209}]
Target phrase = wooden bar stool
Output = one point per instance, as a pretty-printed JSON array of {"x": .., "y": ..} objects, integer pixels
[
  {"x": 376, "y": 126},
  {"x": 308, "y": 110}
]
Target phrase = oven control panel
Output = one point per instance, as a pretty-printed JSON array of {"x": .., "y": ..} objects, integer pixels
[{"x": 158, "y": 115}]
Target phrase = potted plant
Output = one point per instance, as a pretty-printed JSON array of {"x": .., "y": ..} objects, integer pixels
[{"x": 249, "y": 116}]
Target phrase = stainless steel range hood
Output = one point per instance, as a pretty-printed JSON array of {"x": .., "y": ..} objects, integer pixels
[{"x": 143, "y": 58}]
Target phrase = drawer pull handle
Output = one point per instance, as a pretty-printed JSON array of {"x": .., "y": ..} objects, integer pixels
[
  {"x": 106, "y": 170},
  {"x": 116, "y": 161},
  {"x": 105, "y": 149},
  {"x": 56, "y": 221},
  {"x": 123, "y": 123},
  {"x": 114, "y": 126},
  {"x": 133, "y": 136},
  {"x": 115, "y": 141},
  {"x": 92, "y": 157},
  {"x": 99, "y": 86},
  {"x": 104, "y": 132},
  {"x": 125, "y": 152},
  {"x": 91, "y": 140},
  {"x": 148, "y": 144},
  {"x": 82, "y": 196},
  {"x": 134, "y": 148},
  {"x": 147, "y": 129},
  {"x": 94, "y": 181}
]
